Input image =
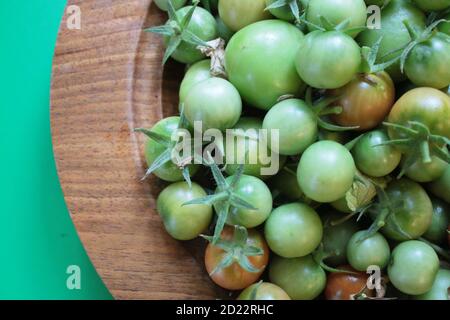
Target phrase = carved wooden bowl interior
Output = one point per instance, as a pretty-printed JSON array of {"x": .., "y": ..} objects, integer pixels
[{"x": 107, "y": 80}]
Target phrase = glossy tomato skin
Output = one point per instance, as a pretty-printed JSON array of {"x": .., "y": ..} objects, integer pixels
[
  {"x": 256, "y": 193},
  {"x": 301, "y": 278},
  {"x": 414, "y": 216},
  {"x": 343, "y": 286},
  {"x": 426, "y": 172},
  {"x": 237, "y": 14},
  {"x": 203, "y": 25},
  {"x": 296, "y": 124},
  {"x": 440, "y": 186},
  {"x": 326, "y": 171},
  {"x": 260, "y": 62},
  {"x": 264, "y": 291},
  {"x": 320, "y": 69},
  {"x": 373, "y": 159},
  {"x": 365, "y": 101},
  {"x": 293, "y": 230},
  {"x": 215, "y": 102},
  {"x": 413, "y": 267},
  {"x": 432, "y": 5},
  {"x": 163, "y": 4},
  {"x": 336, "y": 12},
  {"x": 183, "y": 222},
  {"x": 394, "y": 33},
  {"x": 235, "y": 277},
  {"x": 437, "y": 232},
  {"x": 196, "y": 73},
  {"x": 336, "y": 238},
  {"x": 373, "y": 251},
  {"x": 169, "y": 171},
  {"x": 428, "y": 106},
  {"x": 427, "y": 64},
  {"x": 248, "y": 149},
  {"x": 439, "y": 290}
]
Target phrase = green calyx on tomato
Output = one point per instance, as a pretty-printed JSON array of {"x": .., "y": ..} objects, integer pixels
[
  {"x": 159, "y": 149},
  {"x": 164, "y": 4},
  {"x": 186, "y": 29},
  {"x": 288, "y": 10}
]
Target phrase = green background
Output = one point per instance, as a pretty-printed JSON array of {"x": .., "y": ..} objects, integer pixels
[{"x": 37, "y": 238}]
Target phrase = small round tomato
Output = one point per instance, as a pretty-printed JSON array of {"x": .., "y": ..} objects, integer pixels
[
  {"x": 319, "y": 68},
  {"x": 203, "y": 25},
  {"x": 426, "y": 172},
  {"x": 224, "y": 32},
  {"x": 169, "y": 171},
  {"x": 394, "y": 33},
  {"x": 432, "y": 5},
  {"x": 427, "y": 64},
  {"x": 285, "y": 182},
  {"x": 293, "y": 230},
  {"x": 373, "y": 251},
  {"x": 296, "y": 124},
  {"x": 263, "y": 291},
  {"x": 256, "y": 193},
  {"x": 235, "y": 277},
  {"x": 439, "y": 290},
  {"x": 343, "y": 286},
  {"x": 258, "y": 67},
  {"x": 411, "y": 217},
  {"x": 437, "y": 232},
  {"x": 413, "y": 267},
  {"x": 163, "y": 4},
  {"x": 215, "y": 103},
  {"x": 301, "y": 278},
  {"x": 365, "y": 101},
  {"x": 183, "y": 222},
  {"x": 373, "y": 159},
  {"x": 336, "y": 238},
  {"x": 326, "y": 171},
  {"x": 244, "y": 146},
  {"x": 440, "y": 186},
  {"x": 237, "y": 14},
  {"x": 336, "y": 12},
  {"x": 196, "y": 73}
]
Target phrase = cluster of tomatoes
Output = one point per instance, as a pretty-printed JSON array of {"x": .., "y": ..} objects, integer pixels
[{"x": 363, "y": 116}]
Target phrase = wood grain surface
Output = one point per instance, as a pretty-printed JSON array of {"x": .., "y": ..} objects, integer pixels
[{"x": 107, "y": 80}]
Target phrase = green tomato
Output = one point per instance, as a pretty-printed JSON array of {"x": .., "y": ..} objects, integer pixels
[
  {"x": 250, "y": 151},
  {"x": 260, "y": 62},
  {"x": 432, "y": 5},
  {"x": 320, "y": 69},
  {"x": 224, "y": 32},
  {"x": 169, "y": 171},
  {"x": 336, "y": 12},
  {"x": 163, "y": 4},
  {"x": 373, "y": 251},
  {"x": 445, "y": 27},
  {"x": 196, "y": 73},
  {"x": 256, "y": 193},
  {"x": 293, "y": 230},
  {"x": 183, "y": 222},
  {"x": 214, "y": 102},
  {"x": 326, "y": 171},
  {"x": 411, "y": 217},
  {"x": 427, "y": 172},
  {"x": 283, "y": 12},
  {"x": 440, "y": 186},
  {"x": 439, "y": 290},
  {"x": 264, "y": 291},
  {"x": 296, "y": 123},
  {"x": 427, "y": 64},
  {"x": 237, "y": 14},
  {"x": 341, "y": 205},
  {"x": 285, "y": 182},
  {"x": 336, "y": 238},
  {"x": 413, "y": 267},
  {"x": 437, "y": 232},
  {"x": 375, "y": 160},
  {"x": 394, "y": 33},
  {"x": 301, "y": 278},
  {"x": 203, "y": 25}
]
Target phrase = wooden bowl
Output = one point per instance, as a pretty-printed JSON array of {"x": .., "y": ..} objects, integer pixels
[{"x": 108, "y": 80}]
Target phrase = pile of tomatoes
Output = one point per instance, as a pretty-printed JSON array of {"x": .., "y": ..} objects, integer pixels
[{"x": 363, "y": 116}]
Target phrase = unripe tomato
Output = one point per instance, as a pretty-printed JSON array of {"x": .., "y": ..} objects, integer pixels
[
  {"x": 237, "y": 14},
  {"x": 264, "y": 291}
]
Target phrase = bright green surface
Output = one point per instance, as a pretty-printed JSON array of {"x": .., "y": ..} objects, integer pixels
[{"x": 37, "y": 238}]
